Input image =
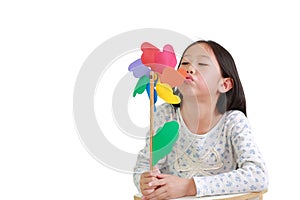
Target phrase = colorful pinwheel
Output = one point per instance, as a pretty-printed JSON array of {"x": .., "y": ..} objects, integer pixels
[
  {"x": 156, "y": 73},
  {"x": 163, "y": 63}
]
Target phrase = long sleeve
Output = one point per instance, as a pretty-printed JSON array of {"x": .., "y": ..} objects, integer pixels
[
  {"x": 142, "y": 164},
  {"x": 250, "y": 174}
]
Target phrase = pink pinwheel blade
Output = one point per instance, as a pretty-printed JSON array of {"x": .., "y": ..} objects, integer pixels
[
  {"x": 157, "y": 60},
  {"x": 167, "y": 57}
]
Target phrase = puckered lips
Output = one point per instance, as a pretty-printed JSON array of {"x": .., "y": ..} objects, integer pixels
[{"x": 189, "y": 77}]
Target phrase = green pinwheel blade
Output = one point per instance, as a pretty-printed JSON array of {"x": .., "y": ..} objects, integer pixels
[
  {"x": 163, "y": 140},
  {"x": 141, "y": 85}
]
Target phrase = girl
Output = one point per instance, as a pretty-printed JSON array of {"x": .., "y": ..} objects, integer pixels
[{"x": 215, "y": 152}]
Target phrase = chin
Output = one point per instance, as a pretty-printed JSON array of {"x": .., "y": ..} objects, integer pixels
[{"x": 190, "y": 92}]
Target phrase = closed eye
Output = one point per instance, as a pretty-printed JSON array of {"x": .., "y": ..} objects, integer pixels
[
  {"x": 184, "y": 63},
  {"x": 203, "y": 64}
]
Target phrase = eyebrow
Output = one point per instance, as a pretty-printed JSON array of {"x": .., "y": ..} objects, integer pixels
[{"x": 205, "y": 56}]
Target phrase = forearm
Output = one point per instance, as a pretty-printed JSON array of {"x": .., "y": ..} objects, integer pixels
[
  {"x": 247, "y": 179},
  {"x": 142, "y": 165}
]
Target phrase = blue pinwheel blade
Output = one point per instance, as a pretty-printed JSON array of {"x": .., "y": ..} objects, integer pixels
[{"x": 148, "y": 92}]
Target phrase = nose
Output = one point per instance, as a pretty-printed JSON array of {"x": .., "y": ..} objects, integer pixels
[{"x": 190, "y": 69}]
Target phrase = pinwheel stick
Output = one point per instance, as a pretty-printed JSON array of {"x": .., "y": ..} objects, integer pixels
[{"x": 152, "y": 78}]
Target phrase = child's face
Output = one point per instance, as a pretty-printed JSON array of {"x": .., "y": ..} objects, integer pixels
[{"x": 204, "y": 75}]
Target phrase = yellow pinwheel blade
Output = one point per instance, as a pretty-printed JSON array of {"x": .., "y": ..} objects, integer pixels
[{"x": 165, "y": 92}]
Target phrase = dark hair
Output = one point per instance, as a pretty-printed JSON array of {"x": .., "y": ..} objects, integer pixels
[{"x": 234, "y": 99}]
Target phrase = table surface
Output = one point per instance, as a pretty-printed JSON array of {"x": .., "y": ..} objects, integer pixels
[{"x": 219, "y": 197}]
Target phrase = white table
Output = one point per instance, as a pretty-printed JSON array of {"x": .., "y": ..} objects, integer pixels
[{"x": 242, "y": 196}]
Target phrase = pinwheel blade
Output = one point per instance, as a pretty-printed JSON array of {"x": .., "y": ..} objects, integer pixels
[
  {"x": 141, "y": 85},
  {"x": 165, "y": 92},
  {"x": 172, "y": 77},
  {"x": 164, "y": 140},
  {"x": 154, "y": 92},
  {"x": 167, "y": 57},
  {"x": 138, "y": 69}
]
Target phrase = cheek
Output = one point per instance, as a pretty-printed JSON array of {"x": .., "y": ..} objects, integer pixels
[
  {"x": 202, "y": 79},
  {"x": 208, "y": 82},
  {"x": 202, "y": 83}
]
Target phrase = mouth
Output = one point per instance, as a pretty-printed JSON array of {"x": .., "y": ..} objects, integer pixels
[{"x": 188, "y": 77}]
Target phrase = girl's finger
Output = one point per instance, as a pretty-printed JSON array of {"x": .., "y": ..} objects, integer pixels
[
  {"x": 156, "y": 183},
  {"x": 147, "y": 192},
  {"x": 161, "y": 176}
]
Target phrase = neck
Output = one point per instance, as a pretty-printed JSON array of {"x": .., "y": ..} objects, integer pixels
[{"x": 199, "y": 116}]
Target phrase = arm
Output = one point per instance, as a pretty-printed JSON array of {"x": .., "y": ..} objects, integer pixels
[
  {"x": 250, "y": 174},
  {"x": 162, "y": 115},
  {"x": 142, "y": 174}
]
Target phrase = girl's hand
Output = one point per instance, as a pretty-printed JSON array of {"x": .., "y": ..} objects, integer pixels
[
  {"x": 146, "y": 178},
  {"x": 169, "y": 187}
]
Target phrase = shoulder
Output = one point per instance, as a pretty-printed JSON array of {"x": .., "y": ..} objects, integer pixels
[
  {"x": 235, "y": 116},
  {"x": 236, "y": 122}
]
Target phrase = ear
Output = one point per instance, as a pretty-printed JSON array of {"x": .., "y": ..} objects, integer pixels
[{"x": 226, "y": 84}]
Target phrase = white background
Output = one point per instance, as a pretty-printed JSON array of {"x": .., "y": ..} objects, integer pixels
[{"x": 43, "y": 46}]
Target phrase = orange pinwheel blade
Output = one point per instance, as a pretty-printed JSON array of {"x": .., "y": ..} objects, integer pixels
[{"x": 172, "y": 77}]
